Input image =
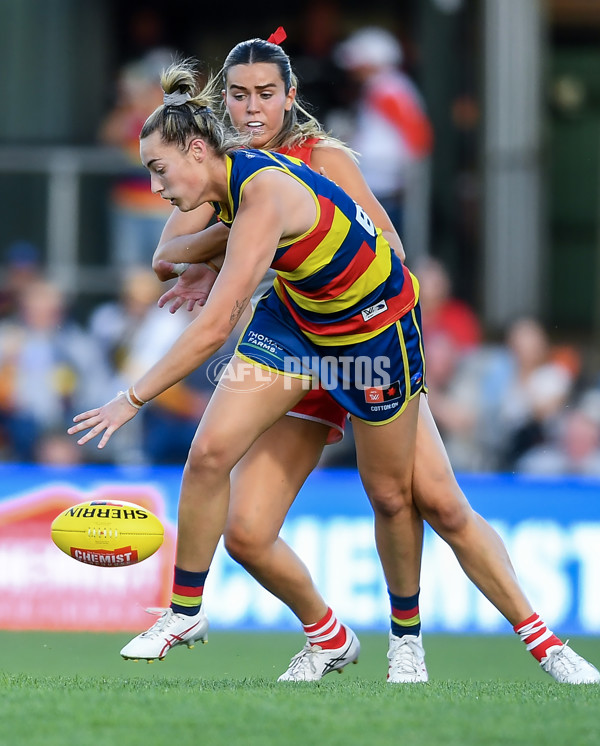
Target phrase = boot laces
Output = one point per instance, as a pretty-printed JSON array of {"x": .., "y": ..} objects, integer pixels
[
  {"x": 305, "y": 660},
  {"x": 167, "y": 617},
  {"x": 403, "y": 657}
]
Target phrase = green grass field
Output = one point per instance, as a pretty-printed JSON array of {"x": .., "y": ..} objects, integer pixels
[{"x": 75, "y": 690}]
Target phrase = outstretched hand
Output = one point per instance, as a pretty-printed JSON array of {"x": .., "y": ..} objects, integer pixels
[
  {"x": 191, "y": 288},
  {"x": 106, "y": 419}
]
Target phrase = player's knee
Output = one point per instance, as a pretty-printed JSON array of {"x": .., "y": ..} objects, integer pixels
[
  {"x": 439, "y": 498},
  {"x": 243, "y": 544},
  {"x": 391, "y": 500},
  {"x": 445, "y": 509},
  {"x": 447, "y": 519},
  {"x": 205, "y": 456}
]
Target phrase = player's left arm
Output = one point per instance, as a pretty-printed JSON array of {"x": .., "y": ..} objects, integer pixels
[
  {"x": 338, "y": 166},
  {"x": 269, "y": 210}
]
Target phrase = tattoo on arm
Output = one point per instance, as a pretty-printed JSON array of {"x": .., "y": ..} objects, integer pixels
[{"x": 237, "y": 311}]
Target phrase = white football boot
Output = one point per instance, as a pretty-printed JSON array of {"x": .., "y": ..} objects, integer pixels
[
  {"x": 170, "y": 630},
  {"x": 566, "y": 667},
  {"x": 406, "y": 658},
  {"x": 313, "y": 662}
]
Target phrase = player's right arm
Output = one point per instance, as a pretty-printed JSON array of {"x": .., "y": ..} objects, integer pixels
[{"x": 187, "y": 239}]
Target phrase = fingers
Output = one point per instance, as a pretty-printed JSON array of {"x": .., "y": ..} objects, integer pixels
[
  {"x": 91, "y": 435},
  {"x": 176, "y": 305},
  {"x": 106, "y": 437},
  {"x": 86, "y": 421},
  {"x": 80, "y": 418},
  {"x": 88, "y": 436},
  {"x": 103, "y": 421},
  {"x": 165, "y": 298}
]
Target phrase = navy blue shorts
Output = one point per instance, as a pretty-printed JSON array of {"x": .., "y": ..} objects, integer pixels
[{"x": 373, "y": 380}]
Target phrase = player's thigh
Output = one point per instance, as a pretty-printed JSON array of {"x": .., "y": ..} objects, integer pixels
[
  {"x": 267, "y": 479},
  {"x": 385, "y": 453},
  {"x": 246, "y": 402},
  {"x": 435, "y": 489}
]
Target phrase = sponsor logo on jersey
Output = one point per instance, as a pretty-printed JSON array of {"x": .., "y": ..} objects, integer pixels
[
  {"x": 374, "y": 310},
  {"x": 375, "y": 395},
  {"x": 416, "y": 380}
]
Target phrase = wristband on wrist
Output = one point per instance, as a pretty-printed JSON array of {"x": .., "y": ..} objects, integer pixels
[
  {"x": 180, "y": 267},
  {"x": 133, "y": 398},
  {"x": 213, "y": 266}
]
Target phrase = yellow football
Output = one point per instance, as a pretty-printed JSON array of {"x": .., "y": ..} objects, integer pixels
[{"x": 107, "y": 533}]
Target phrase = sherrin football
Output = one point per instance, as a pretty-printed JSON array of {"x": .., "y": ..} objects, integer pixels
[{"x": 107, "y": 533}]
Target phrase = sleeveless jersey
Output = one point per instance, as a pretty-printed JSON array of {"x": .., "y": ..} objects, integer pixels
[
  {"x": 302, "y": 150},
  {"x": 340, "y": 281}
]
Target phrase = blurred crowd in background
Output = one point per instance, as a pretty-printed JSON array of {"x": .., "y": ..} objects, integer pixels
[{"x": 524, "y": 402}]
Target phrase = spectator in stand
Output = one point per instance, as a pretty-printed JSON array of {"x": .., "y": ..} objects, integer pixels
[
  {"x": 454, "y": 357},
  {"x": 392, "y": 129},
  {"x": 21, "y": 267},
  {"x": 525, "y": 391},
  {"x": 55, "y": 448},
  {"x": 49, "y": 368},
  {"x": 137, "y": 215},
  {"x": 442, "y": 313},
  {"x": 455, "y": 398},
  {"x": 576, "y": 447}
]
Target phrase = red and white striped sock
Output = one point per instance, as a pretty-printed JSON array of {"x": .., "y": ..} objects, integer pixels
[
  {"x": 327, "y": 633},
  {"x": 536, "y": 636}
]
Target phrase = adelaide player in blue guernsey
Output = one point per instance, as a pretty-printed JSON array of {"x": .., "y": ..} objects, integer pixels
[
  {"x": 343, "y": 295},
  {"x": 340, "y": 292}
]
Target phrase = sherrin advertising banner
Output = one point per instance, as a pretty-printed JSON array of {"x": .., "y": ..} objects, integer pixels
[{"x": 550, "y": 527}]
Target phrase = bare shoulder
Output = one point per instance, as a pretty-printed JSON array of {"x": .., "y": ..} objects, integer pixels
[
  {"x": 338, "y": 165},
  {"x": 329, "y": 156}
]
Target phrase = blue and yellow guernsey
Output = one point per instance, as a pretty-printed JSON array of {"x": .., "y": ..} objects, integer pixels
[{"x": 340, "y": 281}]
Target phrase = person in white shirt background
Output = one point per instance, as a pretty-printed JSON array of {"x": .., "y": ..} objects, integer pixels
[{"x": 391, "y": 130}]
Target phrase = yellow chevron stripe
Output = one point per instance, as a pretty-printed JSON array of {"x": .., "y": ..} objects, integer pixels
[
  {"x": 186, "y": 600},
  {"x": 407, "y": 622},
  {"x": 375, "y": 275},
  {"x": 343, "y": 339},
  {"x": 324, "y": 252}
]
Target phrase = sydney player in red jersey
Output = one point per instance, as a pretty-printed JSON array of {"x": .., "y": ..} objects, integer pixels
[{"x": 260, "y": 98}]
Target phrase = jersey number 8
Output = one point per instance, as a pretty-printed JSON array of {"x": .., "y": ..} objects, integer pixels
[{"x": 365, "y": 220}]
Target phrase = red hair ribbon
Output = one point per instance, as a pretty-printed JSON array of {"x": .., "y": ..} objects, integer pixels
[{"x": 278, "y": 36}]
